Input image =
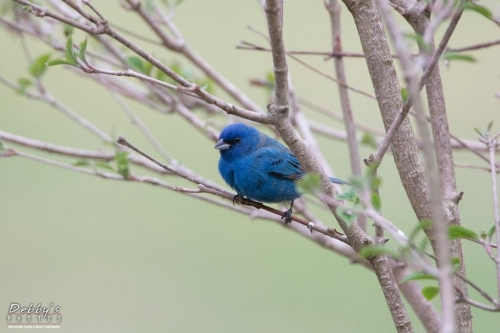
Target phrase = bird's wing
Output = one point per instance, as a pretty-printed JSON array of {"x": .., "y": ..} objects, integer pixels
[{"x": 280, "y": 163}]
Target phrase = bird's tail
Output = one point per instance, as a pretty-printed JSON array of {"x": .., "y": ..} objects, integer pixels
[{"x": 339, "y": 181}]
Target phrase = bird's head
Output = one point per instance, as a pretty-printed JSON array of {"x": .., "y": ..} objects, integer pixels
[{"x": 237, "y": 140}]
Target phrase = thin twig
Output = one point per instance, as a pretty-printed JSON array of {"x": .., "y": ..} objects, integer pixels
[
  {"x": 105, "y": 155},
  {"x": 478, "y": 289},
  {"x": 323, "y": 74},
  {"x": 49, "y": 99},
  {"x": 478, "y": 305},
  {"x": 333, "y": 7},
  {"x": 328, "y": 55},
  {"x": 143, "y": 128}
]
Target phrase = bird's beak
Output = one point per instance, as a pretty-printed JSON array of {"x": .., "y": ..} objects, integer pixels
[{"x": 221, "y": 145}]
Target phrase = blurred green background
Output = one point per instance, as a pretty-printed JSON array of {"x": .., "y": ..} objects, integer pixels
[{"x": 126, "y": 257}]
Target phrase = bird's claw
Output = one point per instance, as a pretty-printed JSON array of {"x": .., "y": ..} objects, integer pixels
[
  {"x": 236, "y": 197},
  {"x": 287, "y": 215}
]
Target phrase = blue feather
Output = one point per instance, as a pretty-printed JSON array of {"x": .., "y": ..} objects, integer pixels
[{"x": 258, "y": 167}]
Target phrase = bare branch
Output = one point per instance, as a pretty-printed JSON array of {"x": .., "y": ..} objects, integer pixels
[
  {"x": 333, "y": 8},
  {"x": 143, "y": 128},
  {"x": 46, "y": 97}
]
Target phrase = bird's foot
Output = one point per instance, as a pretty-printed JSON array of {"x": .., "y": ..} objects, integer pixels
[
  {"x": 287, "y": 215},
  {"x": 237, "y": 198}
]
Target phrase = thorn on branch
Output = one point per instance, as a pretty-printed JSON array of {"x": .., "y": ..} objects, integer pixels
[
  {"x": 370, "y": 160},
  {"x": 134, "y": 5},
  {"x": 8, "y": 153},
  {"x": 38, "y": 12},
  {"x": 192, "y": 88},
  {"x": 458, "y": 197},
  {"x": 187, "y": 190},
  {"x": 121, "y": 140},
  {"x": 311, "y": 227}
]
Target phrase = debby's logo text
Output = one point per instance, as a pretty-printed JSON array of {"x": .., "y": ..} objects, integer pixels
[{"x": 34, "y": 316}]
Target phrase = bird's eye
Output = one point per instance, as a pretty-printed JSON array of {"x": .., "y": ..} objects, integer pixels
[{"x": 237, "y": 140}]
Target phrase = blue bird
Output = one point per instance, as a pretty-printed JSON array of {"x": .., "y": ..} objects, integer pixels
[{"x": 258, "y": 167}]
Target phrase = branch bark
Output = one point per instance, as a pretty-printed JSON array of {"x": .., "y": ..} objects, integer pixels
[{"x": 419, "y": 18}]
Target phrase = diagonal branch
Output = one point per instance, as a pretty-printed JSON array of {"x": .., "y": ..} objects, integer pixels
[{"x": 398, "y": 120}]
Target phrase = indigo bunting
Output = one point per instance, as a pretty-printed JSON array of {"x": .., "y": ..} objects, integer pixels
[{"x": 258, "y": 167}]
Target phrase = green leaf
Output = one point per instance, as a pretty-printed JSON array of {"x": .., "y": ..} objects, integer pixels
[
  {"x": 488, "y": 129},
  {"x": 450, "y": 55},
  {"x": 347, "y": 215},
  {"x": 483, "y": 234},
  {"x": 457, "y": 231},
  {"x": 368, "y": 140},
  {"x": 24, "y": 83},
  {"x": 491, "y": 231},
  {"x": 70, "y": 52},
  {"x": 82, "y": 162},
  {"x": 418, "y": 276},
  {"x": 270, "y": 77},
  {"x": 370, "y": 251},
  {"x": 375, "y": 183},
  {"x": 68, "y": 30},
  {"x": 159, "y": 75},
  {"x": 137, "y": 64},
  {"x": 148, "y": 67},
  {"x": 350, "y": 195},
  {"x": 455, "y": 263},
  {"x": 39, "y": 65},
  {"x": 372, "y": 167},
  {"x": 104, "y": 165},
  {"x": 480, "y": 132},
  {"x": 206, "y": 84},
  {"x": 404, "y": 94},
  {"x": 83, "y": 50},
  {"x": 376, "y": 201},
  {"x": 311, "y": 183},
  {"x": 430, "y": 292},
  {"x": 122, "y": 163},
  {"x": 59, "y": 61},
  {"x": 426, "y": 223},
  {"x": 478, "y": 9}
]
